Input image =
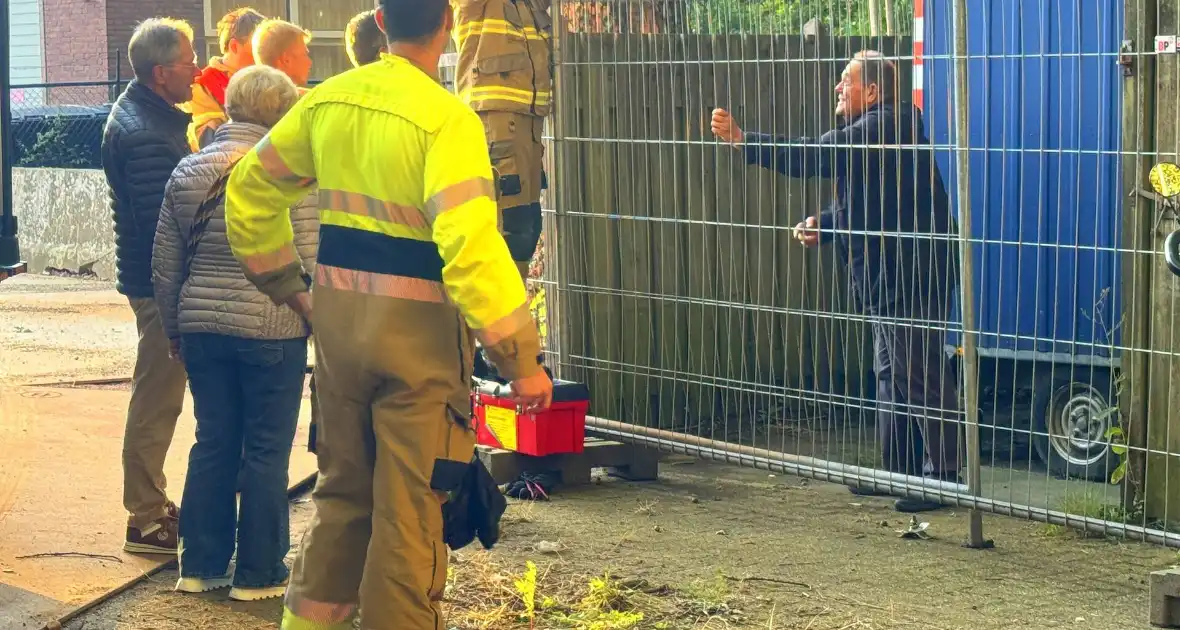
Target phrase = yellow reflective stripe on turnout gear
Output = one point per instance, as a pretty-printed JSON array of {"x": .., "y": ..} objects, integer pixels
[
  {"x": 373, "y": 208},
  {"x": 501, "y": 93},
  {"x": 369, "y": 224},
  {"x": 269, "y": 262},
  {"x": 459, "y": 194},
  {"x": 492, "y": 26},
  {"x": 292, "y": 621},
  {"x": 498, "y": 331},
  {"x": 275, "y": 166},
  {"x": 381, "y": 285}
]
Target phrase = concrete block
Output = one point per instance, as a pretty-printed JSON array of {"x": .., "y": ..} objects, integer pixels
[
  {"x": 1165, "y": 598},
  {"x": 64, "y": 219}
]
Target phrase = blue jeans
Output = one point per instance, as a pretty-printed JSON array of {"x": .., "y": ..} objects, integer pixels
[{"x": 246, "y": 396}]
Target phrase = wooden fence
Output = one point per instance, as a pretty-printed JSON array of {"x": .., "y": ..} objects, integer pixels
[{"x": 684, "y": 298}]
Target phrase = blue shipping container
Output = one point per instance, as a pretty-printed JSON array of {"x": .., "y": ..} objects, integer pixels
[{"x": 1045, "y": 132}]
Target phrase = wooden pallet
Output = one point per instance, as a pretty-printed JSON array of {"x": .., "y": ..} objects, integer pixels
[{"x": 629, "y": 462}]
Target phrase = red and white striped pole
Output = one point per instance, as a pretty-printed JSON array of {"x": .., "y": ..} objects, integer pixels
[{"x": 919, "y": 36}]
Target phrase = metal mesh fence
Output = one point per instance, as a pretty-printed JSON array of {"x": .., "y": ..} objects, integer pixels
[
  {"x": 59, "y": 125},
  {"x": 991, "y": 322},
  {"x": 1012, "y": 161}
]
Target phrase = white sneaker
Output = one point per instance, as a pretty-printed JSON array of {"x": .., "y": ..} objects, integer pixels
[
  {"x": 202, "y": 585},
  {"x": 251, "y": 594}
]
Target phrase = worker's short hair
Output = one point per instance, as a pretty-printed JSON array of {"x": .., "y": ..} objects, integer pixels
[
  {"x": 274, "y": 37},
  {"x": 260, "y": 94},
  {"x": 363, "y": 39},
  {"x": 413, "y": 20},
  {"x": 238, "y": 26},
  {"x": 877, "y": 69},
  {"x": 156, "y": 42}
]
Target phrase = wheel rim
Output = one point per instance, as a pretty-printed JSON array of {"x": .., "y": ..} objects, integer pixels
[{"x": 1078, "y": 422}]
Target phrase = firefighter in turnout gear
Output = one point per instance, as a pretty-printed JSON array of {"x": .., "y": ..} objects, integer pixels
[
  {"x": 505, "y": 74},
  {"x": 410, "y": 269}
]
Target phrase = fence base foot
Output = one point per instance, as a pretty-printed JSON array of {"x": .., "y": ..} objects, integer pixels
[
  {"x": 975, "y": 539},
  {"x": 622, "y": 460},
  {"x": 1165, "y": 598}
]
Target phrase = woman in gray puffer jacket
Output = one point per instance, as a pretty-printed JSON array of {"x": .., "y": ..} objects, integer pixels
[{"x": 245, "y": 357}]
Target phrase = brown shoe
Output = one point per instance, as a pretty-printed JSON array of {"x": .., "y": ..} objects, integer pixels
[{"x": 159, "y": 537}]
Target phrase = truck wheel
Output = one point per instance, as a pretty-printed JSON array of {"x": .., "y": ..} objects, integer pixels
[
  {"x": 1071, "y": 418},
  {"x": 1172, "y": 252}
]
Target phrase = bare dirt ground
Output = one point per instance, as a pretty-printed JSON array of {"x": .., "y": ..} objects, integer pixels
[{"x": 707, "y": 546}]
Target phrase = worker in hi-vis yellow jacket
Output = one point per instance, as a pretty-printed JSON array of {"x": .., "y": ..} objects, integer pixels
[
  {"x": 410, "y": 268},
  {"x": 505, "y": 74}
]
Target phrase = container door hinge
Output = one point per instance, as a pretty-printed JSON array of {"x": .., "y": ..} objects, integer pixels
[{"x": 1127, "y": 58}]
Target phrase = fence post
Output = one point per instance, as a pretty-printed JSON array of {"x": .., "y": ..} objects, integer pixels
[
  {"x": 555, "y": 250},
  {"x": 9, "y": 249},
  {"x": 1138, "y": 238},
  {"x": 967, "y": 279}
]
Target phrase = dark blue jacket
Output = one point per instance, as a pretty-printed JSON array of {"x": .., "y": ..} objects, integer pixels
[
  {"x": 142, "y": 143},
  {"x": 890, "y": 212}
]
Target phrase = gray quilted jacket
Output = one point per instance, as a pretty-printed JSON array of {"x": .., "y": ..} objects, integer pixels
[{"x": 217, "y": 298}]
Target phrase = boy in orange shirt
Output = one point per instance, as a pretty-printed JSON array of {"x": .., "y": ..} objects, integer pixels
[{"x": 235, "y": 33}]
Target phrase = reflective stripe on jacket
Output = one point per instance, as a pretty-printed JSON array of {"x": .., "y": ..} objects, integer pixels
[
  {"x": 407, "y": 207},
  {"x": 504, "y": 55}
]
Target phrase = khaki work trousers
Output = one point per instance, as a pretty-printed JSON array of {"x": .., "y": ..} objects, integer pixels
[
  {"x": 392, "y": 379},
  {"x": 157, "y": 398},
  {"x": 518, "y": 157}
]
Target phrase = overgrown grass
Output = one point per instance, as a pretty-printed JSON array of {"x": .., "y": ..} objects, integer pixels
[
  {"x": 484, "y": 595},
  {"x": 1087, "y": 504}
]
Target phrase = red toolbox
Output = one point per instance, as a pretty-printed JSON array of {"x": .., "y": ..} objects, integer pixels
[{"x": 559, "y": 429}]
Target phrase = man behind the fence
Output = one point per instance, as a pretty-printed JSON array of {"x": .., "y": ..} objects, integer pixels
[
  {"x": 892, "y": 219},
  {"x": 142, "y": 143}
]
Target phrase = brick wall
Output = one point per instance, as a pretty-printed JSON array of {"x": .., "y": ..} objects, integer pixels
[
  {"x": 75, "y": 50},
  {"x": 86, "y": 40},
  {"x": 123, "y": 15},
  {"x": 75, "y": 40}
]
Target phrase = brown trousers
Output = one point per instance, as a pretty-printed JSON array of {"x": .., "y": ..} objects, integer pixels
[
  {"x": 514, "y": 145},
  {"x": 157, "y": 398},
  {"x": 392, "y": 382}
]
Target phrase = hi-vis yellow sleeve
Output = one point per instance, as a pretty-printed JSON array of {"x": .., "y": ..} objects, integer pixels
[
  {"x": 273, "y": 175},
  {"x": 478, "y": 271}
]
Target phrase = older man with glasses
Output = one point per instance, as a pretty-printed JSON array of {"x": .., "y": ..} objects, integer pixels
[{"x": 142, "y": 143}]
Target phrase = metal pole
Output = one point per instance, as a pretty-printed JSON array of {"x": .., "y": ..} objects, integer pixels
[
  {"x": 814, "y": 467},
  {"x": 555, "y": 249},
  {"x": 10, "y": 262},
  {"x": 967, "y": 279}
]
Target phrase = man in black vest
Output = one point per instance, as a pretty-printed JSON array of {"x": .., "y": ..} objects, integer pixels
[{"x": 890, "y": 220}]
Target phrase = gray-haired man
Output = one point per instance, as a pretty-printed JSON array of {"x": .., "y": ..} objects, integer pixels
[
  {"x": 143, "y": 141},
  {"x": 891, "y": 222}
]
